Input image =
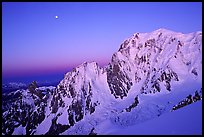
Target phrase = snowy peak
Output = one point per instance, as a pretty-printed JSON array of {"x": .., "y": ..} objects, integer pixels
[
  {"x": 91, "y": 65},
  {"x": 158, "y": 34},
  {"x": 83, "y": 69},
  {"x": 74, "y": 97},
  {"x": 165, "y": 31},
  {"x": 154, "y": 58},
  {"x": 84, "y": 73}
]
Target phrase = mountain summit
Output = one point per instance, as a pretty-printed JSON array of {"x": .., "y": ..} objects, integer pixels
[{"x": 151, "y": 74}]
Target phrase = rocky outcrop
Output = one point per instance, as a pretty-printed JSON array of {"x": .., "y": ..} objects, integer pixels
[
  {"x": 134, "y": 104},
  {"x": 189, "y": 100},
  {"x": 118, "y": 81}
]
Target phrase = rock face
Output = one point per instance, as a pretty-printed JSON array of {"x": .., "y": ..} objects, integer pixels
[
  {"x": 146, "y": 63},
  {"x": 189, "y": 100},
  {"x": 118, "y": 80}
]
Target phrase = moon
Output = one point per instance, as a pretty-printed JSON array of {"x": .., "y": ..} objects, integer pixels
[{"x": 56, "y": 17}]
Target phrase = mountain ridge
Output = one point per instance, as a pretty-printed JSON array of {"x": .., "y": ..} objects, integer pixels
[{"x": 147, "y": 66}]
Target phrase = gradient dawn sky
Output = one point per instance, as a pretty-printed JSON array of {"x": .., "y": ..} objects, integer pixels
[{"x": 36, "y": 44}]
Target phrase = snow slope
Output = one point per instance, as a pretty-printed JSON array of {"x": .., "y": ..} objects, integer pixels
[{"x": 185, "y": 121}]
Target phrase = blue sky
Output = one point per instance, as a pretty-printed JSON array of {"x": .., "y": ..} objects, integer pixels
[{"x": 34, "y": 43}]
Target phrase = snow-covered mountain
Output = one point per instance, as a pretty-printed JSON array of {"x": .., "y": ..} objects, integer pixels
[
  {"x": 151, "y": 74},
  {"x": 13, "y": 86}
]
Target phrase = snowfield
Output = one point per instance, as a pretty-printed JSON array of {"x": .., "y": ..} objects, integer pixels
[{"x": 185, "y": 121}]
